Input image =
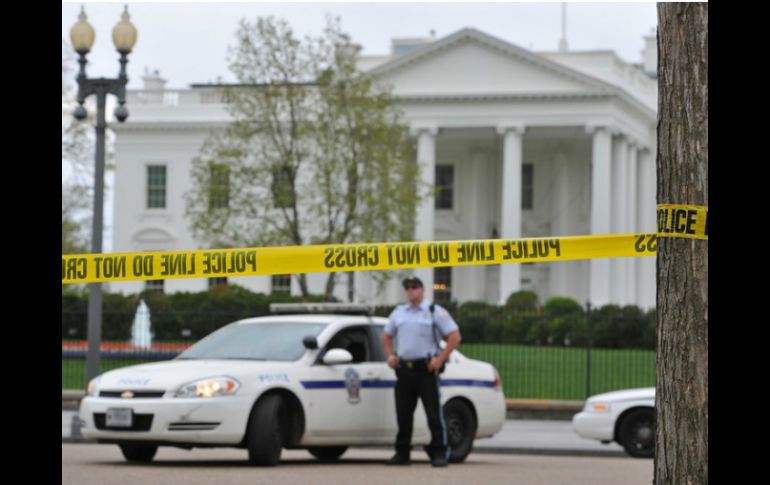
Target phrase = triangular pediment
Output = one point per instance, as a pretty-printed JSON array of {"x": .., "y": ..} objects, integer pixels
[{"x": 471, "y": 62}]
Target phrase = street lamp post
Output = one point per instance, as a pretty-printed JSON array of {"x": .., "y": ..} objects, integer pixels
[{"x": 124, "y": 38}]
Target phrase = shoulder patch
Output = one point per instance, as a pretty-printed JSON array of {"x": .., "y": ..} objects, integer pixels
[{"x": 443, "y": 313}]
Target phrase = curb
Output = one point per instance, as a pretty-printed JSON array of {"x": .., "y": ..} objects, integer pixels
[
  {"x": 70, "y": 399},
  {"x": 542, "y": 409},
  {"x": 544, "y": 405}
]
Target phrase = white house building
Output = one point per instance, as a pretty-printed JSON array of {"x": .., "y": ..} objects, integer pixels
[{"x": 524, "y": 144}]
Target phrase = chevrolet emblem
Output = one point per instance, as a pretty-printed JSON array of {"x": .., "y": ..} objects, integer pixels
[{"x": 127, "y": 395}]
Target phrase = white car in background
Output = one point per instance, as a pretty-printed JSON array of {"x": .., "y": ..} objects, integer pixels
[
  {"x": 313, "y": 381},
  {"x": 627, "y": 417}
]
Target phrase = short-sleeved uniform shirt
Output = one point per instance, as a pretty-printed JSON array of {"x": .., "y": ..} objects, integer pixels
[{"x": 414, "y": 328}]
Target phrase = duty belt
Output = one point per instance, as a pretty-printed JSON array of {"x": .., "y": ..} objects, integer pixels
[{"x": 415, "y": 364}]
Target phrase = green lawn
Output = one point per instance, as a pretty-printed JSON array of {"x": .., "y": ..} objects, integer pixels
[
  {"x": 560, "y": 373},
  {"x": 526, "y": 372}
]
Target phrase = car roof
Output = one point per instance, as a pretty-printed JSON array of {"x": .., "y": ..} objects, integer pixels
[{"x": 312, "y": 318}]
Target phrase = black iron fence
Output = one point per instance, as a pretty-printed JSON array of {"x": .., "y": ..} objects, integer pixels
[{"x": 559, "y": 351}]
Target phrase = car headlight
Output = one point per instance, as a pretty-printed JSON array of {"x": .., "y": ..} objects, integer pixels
[
  {"x": 210, "y": 387},
  {"x": 598, "y": 407},
  {"x": 93, "y": 386}
]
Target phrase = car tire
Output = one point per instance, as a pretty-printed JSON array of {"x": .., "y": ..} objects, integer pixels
[
  {"x": 327, "y": 453},
  {"x": 636, "y": 433},
  {"x": 461, "y": 429},
  {"x": 267, "y": 427},
  {"x": 137, "y": 453}
]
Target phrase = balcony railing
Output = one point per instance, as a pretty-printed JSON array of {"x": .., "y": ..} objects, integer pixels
[{"x": 174, "y": 97}]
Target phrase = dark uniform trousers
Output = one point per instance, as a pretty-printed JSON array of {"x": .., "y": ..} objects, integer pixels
[{"x": 413, "y": 383}]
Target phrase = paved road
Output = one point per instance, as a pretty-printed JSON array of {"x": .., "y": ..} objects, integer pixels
[
  {"x": 546, "y": 437},
  {"x": 85, "y": 464},
  {"x": 517, "y": 436}
]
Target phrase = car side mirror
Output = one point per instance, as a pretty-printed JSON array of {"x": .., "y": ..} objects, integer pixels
[
  {"x": 337, "y": 356},
  {"x": 310, "y": 342}
]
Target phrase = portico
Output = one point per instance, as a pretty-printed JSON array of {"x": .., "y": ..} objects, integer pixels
[{"x": 564, "y": 162}]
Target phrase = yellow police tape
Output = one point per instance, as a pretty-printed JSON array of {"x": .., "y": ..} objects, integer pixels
[
  {"x": 689, "y": 221},
  {"x": 211, "y": 263},
  {"x": 87, "y": 268}
]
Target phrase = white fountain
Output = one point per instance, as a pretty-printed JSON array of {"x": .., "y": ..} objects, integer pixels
[{"x": 141, "y": 336}]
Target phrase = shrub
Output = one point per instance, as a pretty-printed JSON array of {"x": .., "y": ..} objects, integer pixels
[
  {"x": 560, "y": 306},
  {"x": 539, "y": 333},
  {"x": 604, "y": 326},
  {"x": 473, "y": 319},
  {"x": 522, "y": 301},
  {"x": 650, "y": 319},
  {"x": 631, "y": 328},
  {"x": 627, "y": 327},
  {"x": 569, "y": 331}
]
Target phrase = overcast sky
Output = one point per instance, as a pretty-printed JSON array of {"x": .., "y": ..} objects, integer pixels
[{"x": 187, "y": 42}]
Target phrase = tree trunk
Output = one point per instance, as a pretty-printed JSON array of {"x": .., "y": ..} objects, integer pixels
[
  {"x": 330, "y": 284},
  {"x": 681, "y": 400},
  {"x": 303, "y": 285}
]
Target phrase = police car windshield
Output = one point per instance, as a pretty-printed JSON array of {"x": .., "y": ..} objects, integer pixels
[{"x": 267, "y": 341}]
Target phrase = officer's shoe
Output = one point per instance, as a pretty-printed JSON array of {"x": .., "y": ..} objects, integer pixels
[
  {"x": 439, "y": 461},
  {"x": 399, "y": 459}
]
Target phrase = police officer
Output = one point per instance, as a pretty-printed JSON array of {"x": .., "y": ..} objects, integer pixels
[{"x": 417, "y": 368}]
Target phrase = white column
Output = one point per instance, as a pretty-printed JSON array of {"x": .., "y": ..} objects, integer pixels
[
  {"x": 600, "y": 211},
  {"x": 647, "y": 223},
  {"x": 510, "y": 215},
  {"x": 475, "y": 276},
  {"x": 619, "y": 183},
  {"x": 560, "y": 276},
  {"x": 426, "y": 210},
  {"x": 631, "y": 223}
]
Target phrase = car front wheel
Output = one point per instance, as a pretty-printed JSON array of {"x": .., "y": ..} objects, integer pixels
[
  {"x": 267, "y": 426},
  {"x": 637, "y": 433},
  {"x": 138, "y": 453}
]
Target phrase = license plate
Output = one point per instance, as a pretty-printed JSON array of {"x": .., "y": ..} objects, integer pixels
[{"x": 120, "y": 418}]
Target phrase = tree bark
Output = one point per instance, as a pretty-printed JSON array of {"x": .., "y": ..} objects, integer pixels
[
  {"x": 329, "y": 287},
  {"x": 681, "y": 400},
  {"x": 302, "y": 278}
]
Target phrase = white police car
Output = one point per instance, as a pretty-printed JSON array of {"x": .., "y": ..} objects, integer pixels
[
  {"x": 318, "y": 382},
  {"x": 627, "y": 417}
]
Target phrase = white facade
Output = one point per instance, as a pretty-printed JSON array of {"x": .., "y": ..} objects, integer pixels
[{"x": 582, "y": 122}]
